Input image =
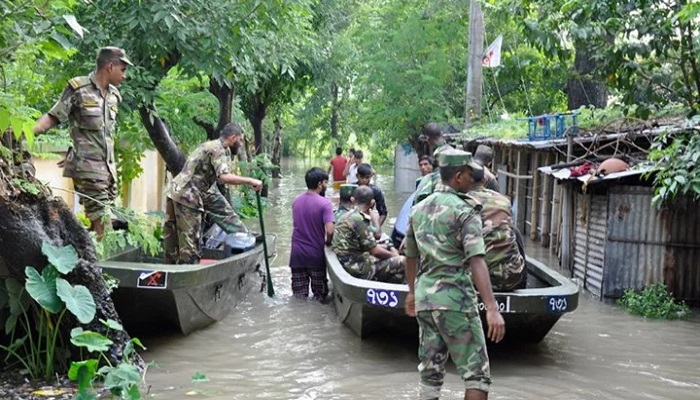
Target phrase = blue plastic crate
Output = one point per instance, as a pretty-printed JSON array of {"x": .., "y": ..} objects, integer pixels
[{"x": 550, "y": 126}]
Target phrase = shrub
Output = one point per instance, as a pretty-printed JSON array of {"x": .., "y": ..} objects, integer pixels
[{"x": 655, "y": 301}]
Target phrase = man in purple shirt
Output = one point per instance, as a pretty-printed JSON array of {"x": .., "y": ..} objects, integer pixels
[{"x": 312, "y": 216}]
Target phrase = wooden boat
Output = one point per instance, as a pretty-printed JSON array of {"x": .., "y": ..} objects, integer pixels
[
  {"x": 369, "y": 306},
  {"x": 152, "y": 296}
]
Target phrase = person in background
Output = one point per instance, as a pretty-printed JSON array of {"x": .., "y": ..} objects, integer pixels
[
  {"x": 433, "y": 134},
  {"x": 445, "y": 232},
  {"x": 351, "y": 167},
  {"x": 345, "y": 202},
  {"x": 484, "y": 156},
  {"x": 357, "y": 249},
  {"x": 312, "y": 220},
  {"x": 503, "y": 257},
  {"x": 426, "y": 165},
  {"x": 337, "y": 164},
  {"x": 89, "y": 105},
  {"x": 364, "y": 175}
]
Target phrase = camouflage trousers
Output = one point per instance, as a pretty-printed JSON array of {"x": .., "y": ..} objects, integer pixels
[
  {"x": 182, "y": 229},
  {"x": 392, "y": 270},
  {"x": 444, "y": 332},
  {"x": 99, "y": 196}
]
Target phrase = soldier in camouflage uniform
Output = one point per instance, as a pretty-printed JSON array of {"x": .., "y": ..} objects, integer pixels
[
  {"x": 345, "y": 201},
  {"x": 193, "y": 192},
  {"x": 357, "y": 249},
  {"x": 506, "y": 263},
  {"x": 89, "y": 104},
  {"x": 484, "y": 156},
  {"x": 445, "y": 232}
]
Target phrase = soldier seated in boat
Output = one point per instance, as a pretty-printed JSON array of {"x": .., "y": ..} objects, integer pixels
[
  {"x": 503, "y": 257},
  {"x": 364, "y": 176},
  {"x": 357, "y": 248},
  {"x": 345, "y": 202}
]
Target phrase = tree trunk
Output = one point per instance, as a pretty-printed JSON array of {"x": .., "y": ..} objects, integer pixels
[
  {"x": 472, "y": 109},
  {"x": 224, "y": 94},
  {"x": 277, "y": 148},
  {"x": 27, "y": 221},
  {"x": 335, "y": 105},
  {"x": 160, "y": 136},
  {"x": 256, "y": 120},
  {"x": 582, "y": 88}
]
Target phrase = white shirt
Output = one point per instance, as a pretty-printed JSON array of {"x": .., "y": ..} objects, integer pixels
[{"x": 352, "y": 174}]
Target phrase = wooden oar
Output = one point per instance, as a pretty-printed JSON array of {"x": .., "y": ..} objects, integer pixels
[{"x": 270, "y": 289}]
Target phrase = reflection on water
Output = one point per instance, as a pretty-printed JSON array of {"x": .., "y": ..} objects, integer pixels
[{"x": 285, "y": 348}]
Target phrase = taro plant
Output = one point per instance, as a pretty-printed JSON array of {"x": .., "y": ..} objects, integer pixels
[
  {"x": 34, "y": 327},
  {"x": 121, "y": 380}
]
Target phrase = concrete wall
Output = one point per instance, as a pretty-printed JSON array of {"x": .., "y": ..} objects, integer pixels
[
  {"x": 145, "y": 193},
  {"x": 405, "y": 168}
]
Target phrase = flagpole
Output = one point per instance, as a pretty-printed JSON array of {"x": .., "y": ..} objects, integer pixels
[{"x": 472, "y": 106}]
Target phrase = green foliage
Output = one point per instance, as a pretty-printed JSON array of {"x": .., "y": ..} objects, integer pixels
[
  {"x": 655, "y": 301},
  {"x": 676, "y": 161},
  {"x": 144, "y": 231},
  {"x": 34, "y": 327},
  {"x": 29, "y": 187},
  {"x": 122, "y": 380}
]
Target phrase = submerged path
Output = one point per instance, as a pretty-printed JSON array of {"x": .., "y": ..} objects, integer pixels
[{"x": 285, "y": 348}]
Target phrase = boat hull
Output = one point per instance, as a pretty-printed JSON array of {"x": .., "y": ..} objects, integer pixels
[
  {"x": 154, "y": 297},
  {"x": 367, "y": 307}
]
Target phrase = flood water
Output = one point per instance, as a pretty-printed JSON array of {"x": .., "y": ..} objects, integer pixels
[{"x": 286, "y": 348}]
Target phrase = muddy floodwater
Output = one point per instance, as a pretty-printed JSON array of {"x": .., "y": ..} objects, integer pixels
[{"x": 286, "y": 348}]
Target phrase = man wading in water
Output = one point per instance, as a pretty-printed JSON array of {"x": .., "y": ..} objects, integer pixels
[{"x": 445, "y": 231}]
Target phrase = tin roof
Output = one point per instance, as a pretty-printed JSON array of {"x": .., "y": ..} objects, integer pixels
[{"x": 564, "y": 174}]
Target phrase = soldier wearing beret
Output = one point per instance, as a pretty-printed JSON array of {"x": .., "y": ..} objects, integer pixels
[
  {"x": 445, "y": 232},
  {"x": 89, "y": 104}
]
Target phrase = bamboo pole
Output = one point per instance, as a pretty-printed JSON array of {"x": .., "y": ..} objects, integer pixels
[
  {"x": 534, "y": 164},
  {"x": 546, "y": 216}
]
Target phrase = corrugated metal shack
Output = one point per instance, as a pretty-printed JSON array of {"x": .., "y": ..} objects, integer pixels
[{"x": 604, "y": 230}]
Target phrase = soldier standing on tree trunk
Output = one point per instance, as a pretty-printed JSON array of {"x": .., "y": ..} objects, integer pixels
[{"x": 89, "y": 104}]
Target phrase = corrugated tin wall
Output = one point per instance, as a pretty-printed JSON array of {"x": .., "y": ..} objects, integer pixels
[
  {"x": 591, "y": 214},
  {"x": 646, "y": 246}
]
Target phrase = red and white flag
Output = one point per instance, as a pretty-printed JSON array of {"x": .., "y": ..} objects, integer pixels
[{"x": 492, "y": 55}]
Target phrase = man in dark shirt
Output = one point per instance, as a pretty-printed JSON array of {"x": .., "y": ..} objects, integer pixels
[{"x": 364, "y": 175}]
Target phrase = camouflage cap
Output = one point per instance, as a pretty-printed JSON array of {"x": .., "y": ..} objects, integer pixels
[
  {"x": 346, "y": 190},
  {"x": 457, "y": 158},
  {"x": 116, "y": 52},
  {"x": 483, "y": 154}
]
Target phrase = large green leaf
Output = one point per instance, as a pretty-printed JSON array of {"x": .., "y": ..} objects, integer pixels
[
  {"x": 131, "y": 345},
  {"x": 93, "y": 341},
  {"x": 63, "y": 258},
  {"x": 42, "y": 288},
  {"x": 78, "y": 300},
  {"x": 74, "y": 373},
  {"x": 112, "y": 324},
  {"x": 17, "y": 296},
  {"x": 122, "y": 376}
]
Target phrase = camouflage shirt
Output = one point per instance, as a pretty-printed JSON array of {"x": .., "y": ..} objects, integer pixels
[
  {"x": 202, "y": 168},
  {"x": 427, "y": 184},
  {"x": 445, "y": 232},
  {"x": 502, "y": 255},
  {"x": 92, "y": 119},
  {"x": 352, "y": 241},
  {"x": 490, "y": 181},
  {"x": 340, "y": 211}
]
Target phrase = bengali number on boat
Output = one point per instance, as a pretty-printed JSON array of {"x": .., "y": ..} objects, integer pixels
[
  {"x": 384, "y": 298},
  {"x": 557, "y": 304}
]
